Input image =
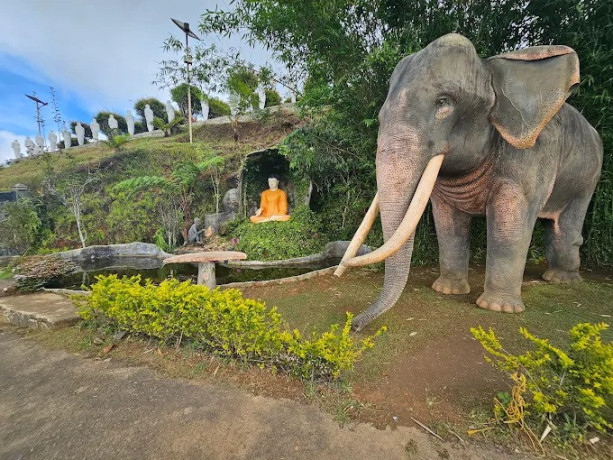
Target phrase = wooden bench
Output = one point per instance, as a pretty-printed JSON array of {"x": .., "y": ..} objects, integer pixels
[{"x": 206, "y": 263}]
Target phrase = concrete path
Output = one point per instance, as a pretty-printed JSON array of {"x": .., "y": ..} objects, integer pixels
[
  {"x": 38, "y": 311},
  {"x": 57, "y": 405}
]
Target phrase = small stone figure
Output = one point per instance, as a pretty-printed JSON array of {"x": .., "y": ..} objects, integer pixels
[
  {"x": 170, "y": 111},
  {"x": 67, "y": 139},
  {"x": 273, "y": 204},
  {"x": 16, "y": 148},
  {"x": 130, "y": 122},
  {"x": 80, "y": 132},
  {"x": 52, "y": 141},
  {"x": 205, "y": 109},
  {"x": 113, "y": 122},
  {"x": 149, "y": 118},
  {"x": 231, "y": 200},
  {"x": 29, "y": 145},
  {"x": 95, "y": 127},
  {"x": 40, "y": 144},
  {"x": 193, "y": 234}
]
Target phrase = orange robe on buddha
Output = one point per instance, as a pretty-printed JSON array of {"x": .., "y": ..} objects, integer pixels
[{"x": 274, "y": 206}]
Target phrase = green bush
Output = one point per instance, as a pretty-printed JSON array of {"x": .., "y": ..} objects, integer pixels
[
  {"x": 222, "y": 322},
  {"x": 272, "y": 98},
  {"x": 19, "y": 224},
  {"x": 300, "y": 236},
  {"x": 218, "y": 108},
  {"x": 571, "y": 391}
]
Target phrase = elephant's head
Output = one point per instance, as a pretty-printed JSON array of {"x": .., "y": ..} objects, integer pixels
[{"x": 443, "y": 111}]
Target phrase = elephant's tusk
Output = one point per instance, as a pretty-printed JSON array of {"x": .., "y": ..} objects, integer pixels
[
  {"x": 360, "y": 235},
  {"x": 410, "y": 220}
]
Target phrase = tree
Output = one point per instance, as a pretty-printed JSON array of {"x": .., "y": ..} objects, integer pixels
[
  {"x": 218, "y": 108},
  {"x": 55, "y": 106},
  {"x": 69, "y": 190},
  {"x": 158, "y": 108},
  {"x": 213, "y": 166},
  {"x": 272, "y": 98},
  {"x": 242, "y": 84},
  {"x": 179, "y": 95}
]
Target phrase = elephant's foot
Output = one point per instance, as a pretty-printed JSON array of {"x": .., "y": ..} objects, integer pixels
[
  {"x": 500, "y": 302},
  {"x": 556, "y": 275},
  {"x": 448, "y": 285}
]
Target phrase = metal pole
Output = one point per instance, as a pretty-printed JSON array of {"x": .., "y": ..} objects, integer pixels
[
  {"x": 38, "y": 116},
  {"x": 189, "y": 92}
]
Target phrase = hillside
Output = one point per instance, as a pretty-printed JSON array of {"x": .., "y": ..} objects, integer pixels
[{"x": 214, "y": 135}]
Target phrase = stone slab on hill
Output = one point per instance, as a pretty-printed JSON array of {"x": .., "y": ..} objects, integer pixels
[{"x": 39, "y": 311}]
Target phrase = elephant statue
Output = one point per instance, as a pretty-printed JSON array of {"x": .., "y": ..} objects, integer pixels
[{"x": 489, "y": 137}]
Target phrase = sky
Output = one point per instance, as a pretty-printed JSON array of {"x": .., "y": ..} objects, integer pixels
[{"x": 98, "y": 55}]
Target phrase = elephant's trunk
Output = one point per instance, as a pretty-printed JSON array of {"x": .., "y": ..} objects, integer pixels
[{"x": 400, "y": 214}]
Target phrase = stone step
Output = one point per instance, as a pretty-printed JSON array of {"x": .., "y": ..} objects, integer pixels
[{"x": 39, "y": 311}]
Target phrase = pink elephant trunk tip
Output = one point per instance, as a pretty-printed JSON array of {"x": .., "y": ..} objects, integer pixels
[{"x": 404, "y": 231}]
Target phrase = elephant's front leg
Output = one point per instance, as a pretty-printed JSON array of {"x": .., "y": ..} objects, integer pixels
[
  {"x": 453, "y": 235},
  {"x": 510, "y": 222}
]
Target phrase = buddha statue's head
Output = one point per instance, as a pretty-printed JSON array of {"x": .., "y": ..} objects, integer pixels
[{"x": 273, "y": 182}]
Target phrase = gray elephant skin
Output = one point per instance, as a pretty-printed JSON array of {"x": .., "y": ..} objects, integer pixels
[{"x": 496, "y": 138}]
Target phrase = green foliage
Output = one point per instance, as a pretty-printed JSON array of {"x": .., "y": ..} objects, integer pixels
[
  {"x": 167, "y": 127},
  {"x": 179, "y": 95},
  {"x": 562, "y": 385},
  {"x": 222, "y": 322},
  {"x": 157, "y": 107},
  {"x": 130, "y": 218},
  {"x": 300, "y": 236},
  {"x": 272, "y": 98},
  {"x": 218, "y": 108},
  {"x": 242, "y": 85},
  {"x": 103, "y": 120},
  {"x": 19, "y": 225},
  {"x": 349, "y": 48},
  {"x": 118, "y": 141}
]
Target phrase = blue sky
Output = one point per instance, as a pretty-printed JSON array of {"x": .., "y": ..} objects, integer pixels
[{"x": 97, "y": 56}]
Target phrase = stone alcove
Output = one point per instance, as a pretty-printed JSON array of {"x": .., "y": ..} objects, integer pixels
[{"x": 257, "y": 167}]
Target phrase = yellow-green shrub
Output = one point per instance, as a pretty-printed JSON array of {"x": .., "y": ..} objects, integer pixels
[
  {"x": 222, "y": 322},
  {"x": 572, "y": 390}
]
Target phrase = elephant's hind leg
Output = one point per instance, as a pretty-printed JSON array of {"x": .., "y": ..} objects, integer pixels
[
  {"x": 563, "y": 239},
  {"x": 453, "y": 235}
]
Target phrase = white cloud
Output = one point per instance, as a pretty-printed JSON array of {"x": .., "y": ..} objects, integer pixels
[{"x": 108, "y": 52}]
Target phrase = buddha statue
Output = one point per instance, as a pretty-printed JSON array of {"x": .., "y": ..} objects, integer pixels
[{"x": 273, "y": 204}]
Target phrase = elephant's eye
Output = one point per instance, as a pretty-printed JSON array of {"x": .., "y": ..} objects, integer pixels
[
  {"x": 442, "y": 101},
  {"x": 444, "y": 106}
]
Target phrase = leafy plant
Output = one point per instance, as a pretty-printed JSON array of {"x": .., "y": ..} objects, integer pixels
[
  {"x": 218, "y": 108},
  {"x": 300, "y": 236},
  {"x": 221, "y": 322},
  {"x": 117, "y": 142},
  {"x": 19, "y": 224},
  {"x": 179, "y": 95},
  {"x": 167, "y": 127},
  {"x": 561, "y": 385}
]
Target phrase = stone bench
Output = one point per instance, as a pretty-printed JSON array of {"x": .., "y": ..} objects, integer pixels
[{"x": 206, "y": 263}]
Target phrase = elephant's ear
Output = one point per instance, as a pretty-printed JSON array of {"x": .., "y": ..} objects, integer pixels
[{"x": 530, "y": 86}]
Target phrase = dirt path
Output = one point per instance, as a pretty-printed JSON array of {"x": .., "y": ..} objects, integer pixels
[{"x": 57, "y": 405}]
